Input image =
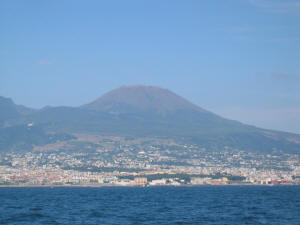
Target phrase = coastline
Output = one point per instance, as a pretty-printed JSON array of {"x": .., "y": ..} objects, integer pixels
[{"x": 144, "y": 186}]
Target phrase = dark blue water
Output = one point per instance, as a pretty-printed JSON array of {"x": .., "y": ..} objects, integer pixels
[{"x": 160, "y": 205}]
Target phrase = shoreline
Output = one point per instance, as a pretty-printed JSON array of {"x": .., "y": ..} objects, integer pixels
[{"x": 143, "y": 186}]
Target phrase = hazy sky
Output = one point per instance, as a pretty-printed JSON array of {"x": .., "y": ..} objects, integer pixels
[{"x": 237, "y": 58}]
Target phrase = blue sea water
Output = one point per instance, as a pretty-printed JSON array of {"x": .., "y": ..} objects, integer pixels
[{"x": 158, "y": 205}]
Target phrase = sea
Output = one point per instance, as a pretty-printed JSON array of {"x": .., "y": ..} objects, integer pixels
[{"x": 151, "y": 205}]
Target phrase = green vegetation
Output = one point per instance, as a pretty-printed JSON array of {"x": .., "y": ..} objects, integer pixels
[
  {"x": 22, "y": 138},
  {"x": 185, "y": 177}
]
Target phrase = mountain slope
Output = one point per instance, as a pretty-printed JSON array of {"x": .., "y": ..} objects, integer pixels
[
  {"x": 139, "y": 98},
  {"x": 9, "y": 110},
  {"x": 151, "y": 111},
  {"x": 24, "y": 137},
  {"x": 16, "y": 133},
  {"x": 138, "y": 110}
]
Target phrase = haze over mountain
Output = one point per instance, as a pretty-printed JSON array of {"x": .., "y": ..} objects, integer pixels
[
  {"x": 9, "y": 110},
  {"x": 139, "y": 98},
  {"x": 138, "y": 111}
]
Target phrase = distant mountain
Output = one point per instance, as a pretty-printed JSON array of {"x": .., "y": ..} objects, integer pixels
[
  {"x": 17, "y": 134},
  {"x": 9, "y": 110},
  {"x": 139, "y": 110},
  {"x": 25, "y": 137},
  {"x": 141, "y": 99}
]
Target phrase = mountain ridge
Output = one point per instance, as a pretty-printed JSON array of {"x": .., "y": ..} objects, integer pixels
[
  {"x": 152, "y": 111},
  {"x": 9, "y": 110},
  {"x": 141, "y": 98}
]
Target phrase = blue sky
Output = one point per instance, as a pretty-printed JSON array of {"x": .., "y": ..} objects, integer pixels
[{"x": 237, "y": 58}]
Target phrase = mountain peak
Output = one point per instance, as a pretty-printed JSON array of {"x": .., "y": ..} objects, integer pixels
[
  {"x": 9, "y": 110},
  {"x": 141, "y": 98}
]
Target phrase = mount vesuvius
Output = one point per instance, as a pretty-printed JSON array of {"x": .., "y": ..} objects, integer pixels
[{"x": 137, "y": 111}]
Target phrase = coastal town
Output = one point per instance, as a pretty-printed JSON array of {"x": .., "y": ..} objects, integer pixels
[{"x": 117, "y": 161}]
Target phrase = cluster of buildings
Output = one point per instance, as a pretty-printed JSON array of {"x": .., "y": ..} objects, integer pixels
[{"x": 128, "y": 166}]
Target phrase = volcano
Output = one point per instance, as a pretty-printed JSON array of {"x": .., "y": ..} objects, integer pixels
[
  {"x": 140, "y": 98},
  {"x": 148, "y": 111}
]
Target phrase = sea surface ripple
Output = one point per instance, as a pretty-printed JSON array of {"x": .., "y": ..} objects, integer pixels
[{"x": 151, "y": 205}]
